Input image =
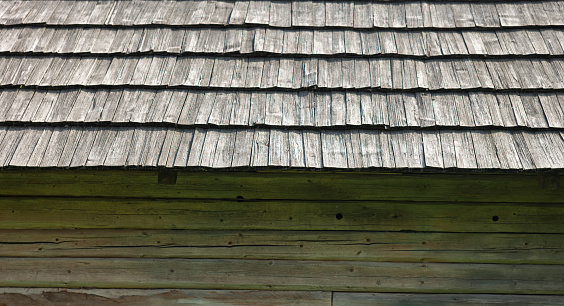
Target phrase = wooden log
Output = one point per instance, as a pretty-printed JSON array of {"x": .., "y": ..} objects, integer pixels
[
  {"x": 517, "y": 187},
  {"x": 282, "y": 275},
  {"x": 295, "y": 245},
  {"x": 60, "y": 213},
  {"x": 143, "y": 297},
  {"x": 382, "y": 299}
]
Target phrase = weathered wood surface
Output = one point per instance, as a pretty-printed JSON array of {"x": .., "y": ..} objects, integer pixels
[
  {"x": 207, "y": 71},
  {"x": 504, "y": 248},
  {"x": 389, "y": 299},
  {"x": 65, "y": 213},
  {"x": 414, "y": 86},
  {"x": 420, "y": 43},
  {"x": 272, "y": 147},
  {"x": 143, "y": 297},
  {"x": 282, "y": 275},
  {"x": 347, "y": 14},
  {"x": 287, "y": 185},
  {"x": 286, "y": 109}
]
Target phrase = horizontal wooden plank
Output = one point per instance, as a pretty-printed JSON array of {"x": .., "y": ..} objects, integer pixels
[
  {"x": 305, "y": 185},
  {"x": 282, "y": 275},
  {"x": 143, "y": 297},
  {"x": 295, "y": 245},
  {"x": 60, "y": 213},
  {"x": 382, "y": 299}
]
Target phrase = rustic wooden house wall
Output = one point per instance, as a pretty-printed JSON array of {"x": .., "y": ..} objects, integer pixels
[{"x": 281, "y": 152}]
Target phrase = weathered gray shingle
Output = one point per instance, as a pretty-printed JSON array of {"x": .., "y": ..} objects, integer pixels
[{"x": 299, "y": 84}]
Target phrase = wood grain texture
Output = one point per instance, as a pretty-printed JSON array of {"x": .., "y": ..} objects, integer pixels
[
  {"x": 54, "y": 213},
  {"x": 282, "y": 275},
  {"x": 441, "y": 299},
  {"x": 139, "y": 297},
  {"x": 386, "y": 14},
  {"x": 503, "y": 248},
  {"x": 416, "y": 42},
  {"x": 195, "y": 131},
  {"x": 398, "y": 145},
  {"x": 218, "y": 72},
  {"x": 523, "y": 188},
  {"x": 472, "y": 109}
]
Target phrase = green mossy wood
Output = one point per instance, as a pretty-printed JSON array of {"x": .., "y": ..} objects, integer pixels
[{"x": 381, "y": 232}]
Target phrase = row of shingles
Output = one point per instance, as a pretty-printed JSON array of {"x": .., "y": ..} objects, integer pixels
[
  {"x": 281, "y": 72},
  {"x": 281, "y": 41},
  {"x": 328, "y": 149},
  {"x": 411, "y": 14},
  {"x": 217, "y": 148},
  {"x": 277, "y": 109}
]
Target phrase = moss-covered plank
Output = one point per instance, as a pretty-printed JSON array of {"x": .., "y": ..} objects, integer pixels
[
  {"x": 58, "y": 213},
  {"x": 295, "y": 245},
  {"x": 282, "y": 275},
  {"x": 394, "y": 299},
  {"x": 144, "y": 297},
  {"x": 303, "y": 185}
]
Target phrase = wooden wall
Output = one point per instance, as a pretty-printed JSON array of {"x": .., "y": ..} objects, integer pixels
[{"x": 280, "y": 236}]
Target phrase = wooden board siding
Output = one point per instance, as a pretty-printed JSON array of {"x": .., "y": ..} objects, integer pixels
[
  {"x": 541, "y": 187},
  {"x": 362, "y": 299},
  {"x": 485, "y": 244},
  {"x": 282, "y": 275},
  {"x": 348, "y": 245},
  {"x": 107, "y": 297},
  {"x": 136, "y": 297},
  {"x": 53, "y": 212}
]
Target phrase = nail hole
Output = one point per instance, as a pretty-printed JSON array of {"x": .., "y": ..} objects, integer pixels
[
  {"x": 339, "y": 216},
  {"x": 495, "y": 218}
]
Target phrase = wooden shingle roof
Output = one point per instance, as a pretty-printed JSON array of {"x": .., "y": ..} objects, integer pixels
[{"x": 291, "y": 84}]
